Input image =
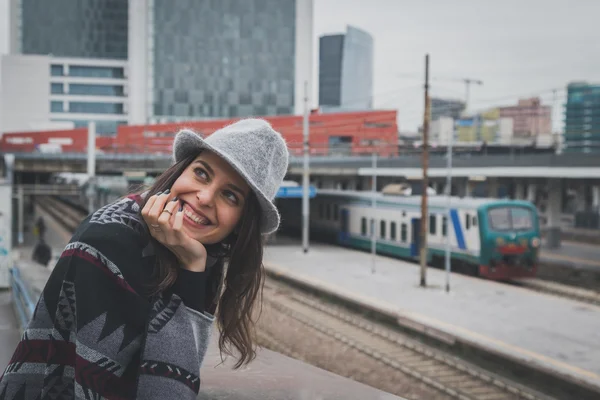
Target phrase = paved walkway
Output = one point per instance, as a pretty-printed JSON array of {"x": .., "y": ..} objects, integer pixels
[{"x": 552, "y": 331}]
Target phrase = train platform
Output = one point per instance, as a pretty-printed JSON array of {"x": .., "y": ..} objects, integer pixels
[{"x": 549, "y": 332}]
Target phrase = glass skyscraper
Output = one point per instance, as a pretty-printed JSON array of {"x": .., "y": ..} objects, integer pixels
[
  {"x": 582, "y": 118},
  {"x": 223, "y": 58},
  {"x": 74, "y": 28},
  {"x": 346, "y": 71}
]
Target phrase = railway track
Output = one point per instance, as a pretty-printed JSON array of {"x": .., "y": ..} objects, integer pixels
[
  {"x": 67, "y": 216},
  {"x": 394, "y": 350}
]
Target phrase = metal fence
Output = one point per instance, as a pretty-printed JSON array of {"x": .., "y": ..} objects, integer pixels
[{"x": 23, "y": 300}]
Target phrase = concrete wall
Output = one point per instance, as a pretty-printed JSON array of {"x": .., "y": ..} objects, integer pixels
[
  {"x": 140, "y": 79},
  {"x": 304, "y": 54},
  {"x": 24, "y": 92}
]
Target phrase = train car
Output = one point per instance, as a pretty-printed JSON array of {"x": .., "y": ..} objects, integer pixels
[{"x": 493, "y": 238}]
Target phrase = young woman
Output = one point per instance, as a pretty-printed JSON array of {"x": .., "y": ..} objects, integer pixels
[{"x": 128, "y": 309}]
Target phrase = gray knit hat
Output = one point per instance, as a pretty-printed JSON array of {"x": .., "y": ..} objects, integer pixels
[{"x": 253, "y": 149}]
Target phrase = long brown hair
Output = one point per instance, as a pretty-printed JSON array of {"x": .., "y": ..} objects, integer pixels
[{"x": 243, "y": 282}]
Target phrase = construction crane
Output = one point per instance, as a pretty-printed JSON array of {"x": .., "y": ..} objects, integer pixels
[{"x": 467, "y": 82}]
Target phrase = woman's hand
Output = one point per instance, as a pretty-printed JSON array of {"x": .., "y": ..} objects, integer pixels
[{"x": 164, "y": 216}]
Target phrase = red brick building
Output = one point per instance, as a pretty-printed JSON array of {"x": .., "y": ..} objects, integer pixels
[{"x": 336, "y": 133}]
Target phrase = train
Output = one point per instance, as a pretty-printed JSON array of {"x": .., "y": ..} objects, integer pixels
[{"x": 497, "y": 239}]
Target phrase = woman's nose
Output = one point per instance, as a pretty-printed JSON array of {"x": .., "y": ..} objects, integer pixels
[{"x": 206, "y": 196}]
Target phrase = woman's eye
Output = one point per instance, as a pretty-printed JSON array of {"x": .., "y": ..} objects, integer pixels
[
  {"x": 231, "y": 196},
  {"x": 201, "y": 173}
]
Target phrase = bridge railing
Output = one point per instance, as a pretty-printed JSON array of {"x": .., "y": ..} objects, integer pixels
[
  {"x": 22, "y": 300},
  {"x": 27, "y": 280}
]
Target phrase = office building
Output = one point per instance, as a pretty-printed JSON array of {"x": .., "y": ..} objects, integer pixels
[
  {"x": 70, "y": 28},
  {"x": 179, "y": 60},
  {"x": 192, "y": 59},
  {"x": 44, "y": 93},
  {"x": 582, "y": 118},
  {"x": 530, "y": 118},
  {"x": 346, "y": 71},
  {"x": 448, "y": 108}
]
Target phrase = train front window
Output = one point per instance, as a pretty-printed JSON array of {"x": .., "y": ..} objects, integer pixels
[
  {"x": 510, "y": 219},
  {"x": 521, "y": 219}
]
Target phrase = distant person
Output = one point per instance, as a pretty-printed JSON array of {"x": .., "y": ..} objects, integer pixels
[
  {"x": 484, "y": 147},
  {"x": 42, "y": 253},
  {"x": 128, "y": 309},
  {"x": 40, "y": 227}
]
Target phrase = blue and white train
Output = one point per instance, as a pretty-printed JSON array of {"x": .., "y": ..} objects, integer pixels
[{"x": 493, "y": 238}]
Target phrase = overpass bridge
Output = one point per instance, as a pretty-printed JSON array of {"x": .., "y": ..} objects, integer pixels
[{"x": 116, "y": 163}]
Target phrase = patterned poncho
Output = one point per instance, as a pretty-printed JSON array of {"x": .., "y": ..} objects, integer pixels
[{"x": 96, "y": 335}]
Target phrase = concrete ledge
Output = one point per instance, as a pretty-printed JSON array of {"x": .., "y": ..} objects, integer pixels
[
  {"x": 589, "y": 296},
  {"x": 531, "y": 369}
]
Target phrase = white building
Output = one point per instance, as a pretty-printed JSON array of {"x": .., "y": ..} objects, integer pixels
[
  {"x": 48, "y": 93},
  {"x": 441, "y": 130}
]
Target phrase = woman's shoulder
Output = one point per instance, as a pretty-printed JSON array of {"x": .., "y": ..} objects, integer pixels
[{"x": 118, "y": 224}]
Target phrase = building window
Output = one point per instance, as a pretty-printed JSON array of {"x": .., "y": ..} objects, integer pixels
[
  {"x": 444, "y": 226},
  {"x": 95, "y": 108},
  {"x": 95, "y": 90},
  {"x": 382, "y": 229},
  {"x": 321, "y": 210},
  {"x": 363, "y": 226},
  {"x": 56, "y": 70},
  {"x": 403, "y": 233},
  {"x": 95, "y": 72},
  {"x": 432, "y": 225},
  {"x": 56, "y": 88},
  {"x": 328, "y": 211},
  {"x": 393, "y": 231},
  {"x": 103, "y": 128},
  {"x": 336, "y": 212},
  {"x": 56, "y": 106}
]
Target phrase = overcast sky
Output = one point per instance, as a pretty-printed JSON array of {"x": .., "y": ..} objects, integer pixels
[{"x": 517, "y": 47}]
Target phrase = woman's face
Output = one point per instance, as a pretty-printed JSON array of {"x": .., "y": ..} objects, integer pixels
[{"x": 213, "y": 195}]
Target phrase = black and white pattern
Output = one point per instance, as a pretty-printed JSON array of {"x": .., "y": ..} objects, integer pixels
[{"x": 92, "y": 336}]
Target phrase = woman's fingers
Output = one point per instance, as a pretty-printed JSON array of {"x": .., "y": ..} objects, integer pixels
[
  {"x": 159, "y": 205},
  {"x": 178, "y": 219},
  {"x": 166, "y": 215},
  {"x": 148, "y": 206}
]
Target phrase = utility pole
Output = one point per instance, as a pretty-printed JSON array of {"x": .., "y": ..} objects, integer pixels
[
  {"x": 449, "y": 205},
  {"x": 424, "y": 213},
  {"x": 374, "y": 206},
  {"x": 305, "y": 180},
  {"x": 91, "y": 166}
]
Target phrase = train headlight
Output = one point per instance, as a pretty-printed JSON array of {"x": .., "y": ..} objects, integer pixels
[
  {"x": 499, "y": 241},
  {"x": 535, "y": 242}
]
